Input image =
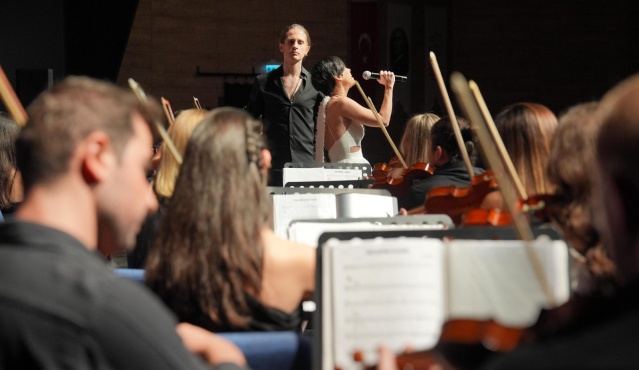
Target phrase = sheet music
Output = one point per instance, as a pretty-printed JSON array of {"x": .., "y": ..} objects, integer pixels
[
  {"x": 495, "y": 279},
  {"x": 289, "y": 207},
  {"x": 303, "y": 174},
  {"x": 308, "y": 232},
  {"x": 358, "y": 205},
  {"x": 385, "y": 291},
  {"x": 337, "y": 174},
  {"x": 311, "y": 174}
]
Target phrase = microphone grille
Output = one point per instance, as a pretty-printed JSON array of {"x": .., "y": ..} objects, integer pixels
[{"x": 366, "y": 75}]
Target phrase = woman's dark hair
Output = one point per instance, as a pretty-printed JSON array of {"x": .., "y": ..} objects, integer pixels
[
  {"x": 442, "y": 134},
  {"x": 209, "y": 251},
  {"x": 324, "y": 73},
  {"x": 9, "y": 130}
]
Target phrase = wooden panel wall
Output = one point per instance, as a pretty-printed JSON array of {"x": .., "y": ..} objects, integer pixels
[{"x": 171, "y": 37}]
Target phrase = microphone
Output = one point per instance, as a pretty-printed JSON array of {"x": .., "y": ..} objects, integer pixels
[{"x": 368, "y": 75}]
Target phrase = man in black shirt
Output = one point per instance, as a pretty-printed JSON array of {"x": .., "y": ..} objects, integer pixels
[
  {"x": 83, "y": 156},
  {"x": 287, "y": 103}
]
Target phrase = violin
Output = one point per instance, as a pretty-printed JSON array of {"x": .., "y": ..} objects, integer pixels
[
  {"x": 399, "y": 187},
  {"x": 383, "y": 170},
  {"x": 455, "y": 202}
]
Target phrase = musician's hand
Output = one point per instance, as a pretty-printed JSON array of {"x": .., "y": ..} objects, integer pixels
[
  {"x": 212, "y": 348},
  {"x": 387, "y": 359},
  {"x": 387, "y": 78},
  {"x": 403, "y": 212}
]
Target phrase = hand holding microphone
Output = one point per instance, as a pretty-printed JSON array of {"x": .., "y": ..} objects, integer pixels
[{"x": 368, "y": 75}]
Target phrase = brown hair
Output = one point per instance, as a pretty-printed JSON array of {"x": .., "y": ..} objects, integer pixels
[
  {"x": 290, "y": 27},
  {"x": 8, "y": 132},
  {"x": 209, "y": 251},
  {"x": 569, "y": 169},
  {"x": 179, "y": 132},
  {"x": 526, "y": 130},
  {"x": 67, "y": 113},
  {"x": 414, "y": 144}
]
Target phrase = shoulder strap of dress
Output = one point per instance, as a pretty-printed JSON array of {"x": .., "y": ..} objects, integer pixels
[{"x": 320, "y": 132}]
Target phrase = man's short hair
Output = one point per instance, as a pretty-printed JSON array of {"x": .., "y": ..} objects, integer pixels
[{"x": 66, "y": 114}]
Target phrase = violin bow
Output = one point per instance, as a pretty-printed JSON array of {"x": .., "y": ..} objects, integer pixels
[
  {"x": 166, "y": 106},
  {"x": 11, "y": 100},
  {"x": 137, "y": 90},
  {"x": 451, "y": 114},
  {"x": 501, "y": 148},
  {"x": 466, "y": 100},
  {"x": 196, "y": 102},
  {"x": 370, "y": 105}
]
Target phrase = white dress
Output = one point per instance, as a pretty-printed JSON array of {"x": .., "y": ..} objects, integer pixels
[{"x": 340, "y": 152}]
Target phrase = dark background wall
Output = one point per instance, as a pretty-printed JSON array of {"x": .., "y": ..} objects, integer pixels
[
  {"x": 68, "y": 37},
  {"x": 557, "y": 53}
]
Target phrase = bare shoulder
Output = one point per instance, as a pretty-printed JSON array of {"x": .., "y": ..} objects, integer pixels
[{"x": 286, "y": 250}]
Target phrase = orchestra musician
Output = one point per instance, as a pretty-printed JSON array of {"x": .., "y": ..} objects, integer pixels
[
  {"x": 216, "y": 262},
  {"x": 341, "y": 120},
  {"x": 83, "y": 157},
  {"x": 414, "y": 143},
  {"x": 164, "y": 183},
  {"x": 10, "y": 179},
  {"x": 603, "y": 334},
  {"x": 570, "y": 170},
  {"x": 526, "y": 130},
  {"x": 444, "y": 154}
]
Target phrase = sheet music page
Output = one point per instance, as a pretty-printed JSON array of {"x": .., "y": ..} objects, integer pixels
[
  {"x": 303, "y": 174},
  {"x": 289, "y": 207},
  {"x": 357, "y": 205},
  {"x": 385, "y": 291},
  {"x": 338, "y": 174},
  {"x": 495, "y": 279},
  {"x": 308, "y": 232}
]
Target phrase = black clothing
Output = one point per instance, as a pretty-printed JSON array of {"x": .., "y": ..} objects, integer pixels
[
  {"x": 136, "y": 259},
  {"x": 262, "y": 319},
  {"x": 604, "y": 335},
  {"x": 289, "y": 126},
  {"x": 454, "y": 174},
  {"x": 62, "y": 308}
]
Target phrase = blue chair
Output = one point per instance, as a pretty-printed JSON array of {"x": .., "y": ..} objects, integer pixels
[
  {"x": 273, "y": 350},
  {"x": 136, "y": 275},
  {"x": 263, "y": 350}
]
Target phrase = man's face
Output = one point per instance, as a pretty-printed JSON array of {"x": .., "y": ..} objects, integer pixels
[
  {"x": 125, "y": 198},
  {"x": 295, "y": 46}
]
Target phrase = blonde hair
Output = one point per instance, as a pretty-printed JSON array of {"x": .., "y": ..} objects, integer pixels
[
  {"x": 414, "y": 144},
  {"x": 179, "y": 132}
]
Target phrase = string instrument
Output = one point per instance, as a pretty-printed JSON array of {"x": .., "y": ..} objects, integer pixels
[
  {"x": 451, "y": 200},
  {"x": 397, "y": 187},
  {"x": 538, "y": 207},
  {"x": 11, "y": 101},
  {"x": 168, "y": 112},
  {"x": 459, "y": 334},
  {"x": 456, "y": 201},
  {"x": 196, "y": 102},
  {"x": 383, "y": 170},
  {"x": 141, "y": 95}
]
